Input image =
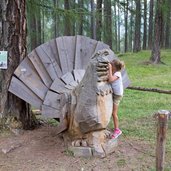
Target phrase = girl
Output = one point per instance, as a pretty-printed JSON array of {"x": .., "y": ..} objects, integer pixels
[{"x": 115, "y": 78}]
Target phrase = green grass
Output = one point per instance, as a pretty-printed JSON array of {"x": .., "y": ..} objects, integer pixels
[
  {"x": 148, "y": 75},
  {"x": 137, "y": 107}
]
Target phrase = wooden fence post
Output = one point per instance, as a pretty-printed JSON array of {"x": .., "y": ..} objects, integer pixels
[{"x": 163, "y": 116}]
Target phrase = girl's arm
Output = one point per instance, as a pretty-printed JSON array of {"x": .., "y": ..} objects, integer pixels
[{"x": 111, "y": 77}]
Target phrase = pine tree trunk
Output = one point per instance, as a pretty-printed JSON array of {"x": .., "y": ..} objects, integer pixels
[
  {"x": 150, "y": 28},
  {"x": 137, "y": 36},
  {"x": 33, "y": 39},
  {"x": 116, "y": 30},
  {"x": 73, "y": 23},
  {"x": 163, "y": 28},
  {"x": 119, "y": 33},
  {"x": 99, "y": 19},
  {"x": 55, "y": 18},
  {"x": 108, "y": 23},
  {"x": 145, "y": 25},
  {"x": 155, "y": 55},
  {"x": 131, "y": 27},
  {"x": 168, "y": 24},
  {"x": 43, "y": 23},
  {"x": 13, "y": 40},
  {"x": 93, "y": 26},
  {"x": 38, "y": 24},
  {"x": 67, "y": 27},
  {"x": 80, "y": 31},
  {"x": 126, "y": 25}
]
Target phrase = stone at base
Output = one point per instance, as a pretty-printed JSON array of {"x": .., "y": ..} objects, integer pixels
[
  {"x": 110, "y": 146},
  {"x": 101, "y": 152},
  {"x": 98, "y": 152},
  {"x": 81, "y": 151}
]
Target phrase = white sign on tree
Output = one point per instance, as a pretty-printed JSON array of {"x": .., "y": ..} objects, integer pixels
[{"x": 3, "y": 59}]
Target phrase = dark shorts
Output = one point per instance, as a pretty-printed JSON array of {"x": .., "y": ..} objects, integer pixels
[{"x": 117, "y": 99}]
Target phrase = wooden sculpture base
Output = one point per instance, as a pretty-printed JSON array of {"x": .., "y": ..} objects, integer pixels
[{"x": 94, "y": 144}]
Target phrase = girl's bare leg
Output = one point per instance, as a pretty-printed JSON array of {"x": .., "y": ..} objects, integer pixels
[{"x": 115, "y": 116}]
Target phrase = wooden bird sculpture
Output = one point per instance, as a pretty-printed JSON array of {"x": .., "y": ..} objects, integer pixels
[{"x": 67, "y": 79}]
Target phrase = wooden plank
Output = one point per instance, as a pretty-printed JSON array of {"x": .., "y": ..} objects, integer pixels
[
  {"x": 62, "y": 55},
  {"x": 22, "y": 91},
  {"x": 40, "y": 68},
  {"x": 66, "y": 51},
  {"x": 67, "y": 78},
  {"x": 50, "y": 112},
  {"x": 100, "y": 45},
  {"x": 52, "y": 99},
  {"x": 46, "y": 56},
  {"x": 46, "y": 60},
  {"x": 78, "y": 74},
  {"x": 69, "y": 87},
  {"x": 59, "y": 86},
  {"x": 69, "y": 46},
  {"x": 28, "y": 75},
  {"x": 85, "y": 47},
  {"x": 54, "y": 51},
  {"x": 73, "y": 83}
]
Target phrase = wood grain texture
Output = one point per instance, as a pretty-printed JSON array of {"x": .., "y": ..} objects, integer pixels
[
  {"x": 162, "y": 126},
  {"x": 40, "y": 68},
  {"x": 78, "y": 74},
  {"x": 66, "y": 51},
  {"x": 48, "y": 59},
  {"x": 50, "y": 112},
  {"x": 85, "y": 47},
  {"x": 18, "y": 88},
  {"x": 100, "y": 45},
  {"x": 52, "y": 99},
  {"x": 59, "y": 86},
  {"x": 28, "y": 75},
  {"x": 67, "y": 78}
]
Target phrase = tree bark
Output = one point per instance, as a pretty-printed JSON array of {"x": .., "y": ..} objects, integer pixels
[
  {"x": 145, "y": 25},
  {"x": 168, "y": 24},
  {"x": 126, "y": 25},
  {"x": 155, "y": 54},
  {"x": 108, "y": 23},
  {"x": 150, "y": 29},
  {"x": 81, "y": 18},
  {"x": 67, "y": 27},
  {"x": 55, "y": 18},
  {"x": 137, "y": 36},
  {"x": 93, "y": 26},
  {"x": 131, "y": 26},
  {"x": 115, "y": 28},
  {"x": 119, "y": 33},
  {"x": 99, "y": 19},
  {"x": 13, "y": 40},
  {"x": 33, "y": 39},
  {"x": 38, "y": 26},
  {"x": 73, "y": 23}
]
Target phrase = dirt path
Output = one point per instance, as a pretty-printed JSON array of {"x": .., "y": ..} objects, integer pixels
[{"x": 43, "y": 150}]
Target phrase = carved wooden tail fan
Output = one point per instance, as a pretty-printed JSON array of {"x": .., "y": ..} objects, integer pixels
[{"x": 53, "y": 69}]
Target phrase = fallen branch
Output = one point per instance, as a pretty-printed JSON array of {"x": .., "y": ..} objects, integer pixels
[{"x": 150, "y": 89}]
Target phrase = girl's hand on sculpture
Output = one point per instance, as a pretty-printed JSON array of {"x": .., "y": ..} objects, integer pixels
[{"x": 110, "y": 68}]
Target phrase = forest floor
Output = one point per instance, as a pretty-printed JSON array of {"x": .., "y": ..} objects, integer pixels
[{"x": 42, "y": 150}]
